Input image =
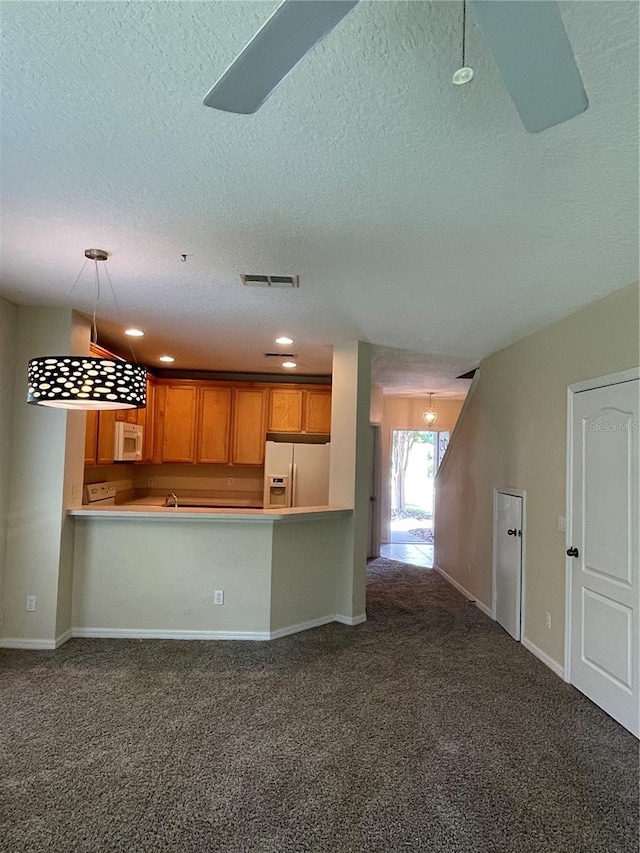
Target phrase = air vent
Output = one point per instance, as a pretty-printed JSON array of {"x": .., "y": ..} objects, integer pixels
[
  {"x": 270, "y": 280},
  {"x": 280, "y": 355}
]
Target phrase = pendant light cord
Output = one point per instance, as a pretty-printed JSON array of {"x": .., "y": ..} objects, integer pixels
[
  {"x": 115, "y": 299},
  {"x": 96, "y": 300},
  {"x": 94, "y": 329},
  {"x": 464, "y": 31}
]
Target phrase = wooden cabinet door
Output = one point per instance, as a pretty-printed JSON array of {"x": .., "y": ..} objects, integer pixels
[
  {"x": 317, "y": 416},
  {"x": 91, "y": 438},
  {"x": 146, "y": 419},
  {"x": 179, "y": 423},
  {"x": 214, "y": 425},
  {"x": 106, "y": 437},
  {"x": 285, "y": 410},
  {"x": 249, "y": 416},
  {"x": 127, "y": 416}
]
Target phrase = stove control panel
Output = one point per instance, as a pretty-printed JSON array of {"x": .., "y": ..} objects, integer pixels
[{"x": 100, "y": 492}]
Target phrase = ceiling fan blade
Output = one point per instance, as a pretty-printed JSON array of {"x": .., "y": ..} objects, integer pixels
[
  {"x": 293, "y": 29},
  {"x": 530, "y": 46}
]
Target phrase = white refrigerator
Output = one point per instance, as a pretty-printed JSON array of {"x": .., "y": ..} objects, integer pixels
[{"x": 296, "y": 474}]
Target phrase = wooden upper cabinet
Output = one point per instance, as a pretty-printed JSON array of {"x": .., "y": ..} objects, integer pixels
[
  {"x": 317, "y": 414},
  {"x": 249, "y": 420},
  {"x": 106, "y": 437},
  {"x": 285, "y": 410},
  {"x": 127, "y": 416},
  {"x": 214, "y": 425},
  {"x": 91, "y": 438},
  {"x": 178, "y": 414},
  {"x": 146, "y": 419}
]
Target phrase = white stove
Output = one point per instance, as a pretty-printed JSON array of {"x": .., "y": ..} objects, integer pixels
[{"x": 100, "y": 494}]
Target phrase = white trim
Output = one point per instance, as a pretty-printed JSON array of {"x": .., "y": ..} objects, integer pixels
[
  {"x": 458, "y": 423},
  {"x": 63, "y": 638},
  {"x": 629, "y": 375},
  {"x": 168, "y": 634},
  {"x": 516, "y": 493},
  {"x": 26, "y": 643},
  {"x": 165, "y": 634},
  {"x": 603, "y": 381},
  {"x": 302, "y": 626},
  {"x": 351, "y": 620},
  {"x": 454, "y": 583},
  {"x": 553, "y": 665}
]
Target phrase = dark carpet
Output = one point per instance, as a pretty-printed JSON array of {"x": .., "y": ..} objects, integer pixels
[{"x": 425, "y": 729}]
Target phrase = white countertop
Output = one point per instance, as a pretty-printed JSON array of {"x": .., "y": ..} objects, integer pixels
[{"x": 135, "y": 511}]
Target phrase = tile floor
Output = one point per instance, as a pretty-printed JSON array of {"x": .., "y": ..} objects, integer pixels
[{"x": 415, "y": 555}]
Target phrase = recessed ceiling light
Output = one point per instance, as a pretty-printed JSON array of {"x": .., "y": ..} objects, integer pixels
[
  {"x": 284, "y": 341},
  {"x": 167, "y": 358},
  {"x": 289, "y": 364},
  {"x": 134, "y": 333}
]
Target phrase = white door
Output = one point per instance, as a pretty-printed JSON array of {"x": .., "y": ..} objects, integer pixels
[
  {"x": 605, "y": 590},
  {"x": 508, "y": 560},
  {"x": 373, "y": 539}
]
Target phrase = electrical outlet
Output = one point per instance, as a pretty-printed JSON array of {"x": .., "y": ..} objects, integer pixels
[
  {"x": 547, "y": 620},
  {"x": 562, "y": 523},
  {"x": 31, "y": 603},
  {"x": 230, "y": 481},
  {"x": 218, "y": 596},
  {"x": 150, "y": 483}
]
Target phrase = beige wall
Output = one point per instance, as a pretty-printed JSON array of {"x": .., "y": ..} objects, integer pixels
[
  {"x": 8, "y": 337},
  {"x": 157, "y": 576},
  {"x": 406, "y": 413},
  {"x": 350, "y": 466},
  {"x": 513, "y": 435},
  {"x": 39, "y": 537},
  {"x": 308, "y": 556}
]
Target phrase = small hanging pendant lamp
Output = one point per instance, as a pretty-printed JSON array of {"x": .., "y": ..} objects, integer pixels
[
  {"x": 86, "y": 382},
  {"x": 430, "y": 416},
  {"x": 464, "y": 74}
]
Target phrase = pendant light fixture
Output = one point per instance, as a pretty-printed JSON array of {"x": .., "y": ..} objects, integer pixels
[
  {"x": 430, "y": 416},
  {"x": 86, "y": 382},
  {"x": 463, "y": 74}
]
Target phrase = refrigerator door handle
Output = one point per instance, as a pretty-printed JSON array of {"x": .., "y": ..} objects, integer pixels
[{"x": 293, "y": 470}]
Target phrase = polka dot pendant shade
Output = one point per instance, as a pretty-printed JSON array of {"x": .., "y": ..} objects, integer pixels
[{"x": 84, "y": 382}]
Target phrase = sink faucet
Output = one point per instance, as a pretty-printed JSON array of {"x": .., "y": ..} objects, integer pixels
[{"x": 171, "y": 498}]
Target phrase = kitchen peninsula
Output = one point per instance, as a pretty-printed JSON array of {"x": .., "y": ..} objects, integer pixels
[{"x": 151, "y": 571}]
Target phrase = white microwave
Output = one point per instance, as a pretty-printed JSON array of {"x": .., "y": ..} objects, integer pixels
[{"x": 128, "y": 442}]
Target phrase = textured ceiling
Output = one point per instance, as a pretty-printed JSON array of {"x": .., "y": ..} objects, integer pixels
[{"x": 420, "y": 216}]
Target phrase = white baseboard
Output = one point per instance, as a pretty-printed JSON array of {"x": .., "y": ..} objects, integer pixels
[
  {"x": 28, "y": 643},
  {"x": 469, "y": 596},
  {"x": 351, "y": 620},
  {"x": 161, "y": 634},
  {"x": 553, "y": 665},
  {"x": 302, "y": 626},
  {"x": 164, "y": 634}
]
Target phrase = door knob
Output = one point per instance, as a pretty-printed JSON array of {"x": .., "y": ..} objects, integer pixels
[
  {"x": 573, "y": 552},
  {"x": 512, "y": 531}
]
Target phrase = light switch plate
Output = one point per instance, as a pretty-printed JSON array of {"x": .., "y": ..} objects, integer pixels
[{"x": 562, "y": 523}]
